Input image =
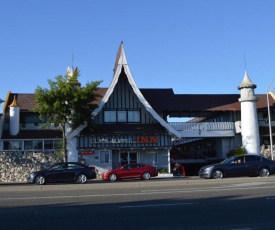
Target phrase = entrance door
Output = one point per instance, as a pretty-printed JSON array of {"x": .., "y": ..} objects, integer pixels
[{"x": 128, "y": 157}]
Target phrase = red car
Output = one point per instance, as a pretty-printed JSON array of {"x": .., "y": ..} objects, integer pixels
[{"x": 129, "y": 171}]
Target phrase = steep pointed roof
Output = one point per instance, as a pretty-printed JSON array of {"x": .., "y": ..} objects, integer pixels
[
  {"x": 121, "y": 62},
  {"x": 14, "y": 102},
  {"x": 246, "y": 83}
]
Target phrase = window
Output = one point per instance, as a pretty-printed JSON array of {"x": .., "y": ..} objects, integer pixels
[
  {"x": 104, "y": 156},
  {"x": 59, "y": 167},
  {"x": 57, "y": 144},
  {"x": 12, "y": 145},
  {"x": 28, "y": 145},
  {"x": 122, "y": 116},
  {"x": 74, "y": 166},
  {"x": 133, "y": 116},
  {"x": 37, "y": 144},
  {"x": 48, "y": 144},
  {"x": 151, "y": 157},
  {"x": 109, "y": 116},
  {"x": 32, "y": 145},
  {"x": 252, "y": 158}
]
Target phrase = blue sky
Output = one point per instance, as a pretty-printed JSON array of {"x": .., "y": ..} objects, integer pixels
[{"x": 192, "y": 46}]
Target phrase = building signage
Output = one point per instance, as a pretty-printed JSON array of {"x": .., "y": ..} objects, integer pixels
[
  {"x": 111, "y": 141},
  {"x": 87, "y": 152},
  {"x": 137, "y": 140},
  {"x": 145, "y": 139}
]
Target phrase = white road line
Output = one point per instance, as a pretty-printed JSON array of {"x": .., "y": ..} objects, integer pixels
[
  {"x": 154, "y": 205},
  {"x": 144, "y": 192}
]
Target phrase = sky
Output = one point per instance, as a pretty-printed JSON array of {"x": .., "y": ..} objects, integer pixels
[{"x": 191, "y": 46}]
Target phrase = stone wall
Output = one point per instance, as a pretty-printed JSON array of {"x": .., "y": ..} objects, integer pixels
[
  {"x": 266, "y": 151},
  {"x": 16, "y": 166}
]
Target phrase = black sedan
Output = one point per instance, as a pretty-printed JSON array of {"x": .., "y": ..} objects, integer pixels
[
  {"x": 242, "y": 165},
  {"x": 63, "y": 172}
]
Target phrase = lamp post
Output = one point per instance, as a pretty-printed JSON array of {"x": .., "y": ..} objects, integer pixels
[
  {"x": 1, "y": 101},
  {"x": 269, "y": 120}
]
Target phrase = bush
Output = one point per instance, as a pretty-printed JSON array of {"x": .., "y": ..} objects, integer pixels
[
  {"x": 235, "y": 152},
  {"x": 163, "y": 170}
]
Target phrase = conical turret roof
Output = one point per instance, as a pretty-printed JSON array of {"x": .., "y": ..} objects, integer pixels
[{"x": 246, "y": 83}]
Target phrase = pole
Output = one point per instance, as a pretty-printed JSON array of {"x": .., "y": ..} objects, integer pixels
[{"x": 269, "y": 119}]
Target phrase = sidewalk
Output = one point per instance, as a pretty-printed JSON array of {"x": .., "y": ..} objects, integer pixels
[{"x": 168, "y": 175}]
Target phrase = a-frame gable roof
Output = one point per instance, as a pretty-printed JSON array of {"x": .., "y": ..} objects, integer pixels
[{"x": 121, "y": 62}]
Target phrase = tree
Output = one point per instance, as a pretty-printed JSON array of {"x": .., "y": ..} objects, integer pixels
[{"x": 66, "y": 103}]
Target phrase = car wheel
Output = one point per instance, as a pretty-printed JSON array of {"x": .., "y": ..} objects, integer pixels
[
  {"x": 40, "y": 180},
  {"x": 217, "y": 174},
  {"x": 264, "y": 172},
  {"x": 81, "y": 178},
  {"x": 112, "y": 177},
  {"x": 146, "y": 176}
]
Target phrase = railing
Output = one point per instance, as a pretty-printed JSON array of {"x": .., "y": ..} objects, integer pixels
[{"x": 202, "y": 126}]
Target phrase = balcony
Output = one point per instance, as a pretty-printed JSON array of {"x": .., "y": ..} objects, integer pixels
[{"x": 205, "y": 129}]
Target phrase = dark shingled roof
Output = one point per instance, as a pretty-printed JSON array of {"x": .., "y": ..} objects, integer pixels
[
  {"x": 37, "y": 134},
  {"x": 166, "y": 100}
]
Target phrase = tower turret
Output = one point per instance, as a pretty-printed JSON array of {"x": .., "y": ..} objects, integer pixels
[
  {"x": 249, "y": 118},
  {"x": 14, "y": 117}
]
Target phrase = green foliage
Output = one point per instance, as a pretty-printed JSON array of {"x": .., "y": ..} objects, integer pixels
[
  {"x": 59, "y": 156},
  {"x": 66, "y": 103},
  {"x": 237, "y": 151},
  {"x": 163, "y": 170}
]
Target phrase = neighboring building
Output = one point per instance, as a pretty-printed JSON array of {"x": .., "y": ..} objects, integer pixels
[
  {"x": 131, "y": 125},
  {"x": 20, "y": 128}
]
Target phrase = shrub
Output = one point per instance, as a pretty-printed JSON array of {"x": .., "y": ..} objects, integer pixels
[
  {"x": 237, "y": 151},
  {"x": 163, "y": 170}
]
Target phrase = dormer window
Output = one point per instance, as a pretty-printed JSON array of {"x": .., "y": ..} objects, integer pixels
[{"x": 122, "y": 116}]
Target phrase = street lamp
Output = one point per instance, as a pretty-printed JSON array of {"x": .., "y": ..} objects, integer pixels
[
  {"x": 1, "y": 101},
  {"x": 269, "y": 120}
]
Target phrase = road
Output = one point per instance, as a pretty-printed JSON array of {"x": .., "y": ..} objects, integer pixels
[{"x": 182, "y": 203}]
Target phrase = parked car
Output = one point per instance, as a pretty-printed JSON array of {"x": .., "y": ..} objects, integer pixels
[
  {"x": 129, "y": 171},
  {"x": 242, "y": 165},
  {"x": 63, "y": 172}
]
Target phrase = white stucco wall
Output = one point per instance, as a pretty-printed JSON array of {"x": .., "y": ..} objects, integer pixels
[{"x": 249, "y": 125}]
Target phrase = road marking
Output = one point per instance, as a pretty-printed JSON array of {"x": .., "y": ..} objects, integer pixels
[
  {"x": 241, "y": 186},
  {"x": 246, "y": 184},
  {"x": 154, "y": 205},
  {"x": 145, "y": 192}
]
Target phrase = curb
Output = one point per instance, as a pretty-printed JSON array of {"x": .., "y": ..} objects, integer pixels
[{"x": 168, "y": 175}]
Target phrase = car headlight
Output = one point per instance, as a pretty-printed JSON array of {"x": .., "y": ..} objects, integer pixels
[
  {"x": 208, "y": 168},
  {"x": 31, "y": 175}
]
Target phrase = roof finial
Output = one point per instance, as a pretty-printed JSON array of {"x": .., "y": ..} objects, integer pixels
[
  {"x": 72, "y": 60},
  {"x": 244, "y": 62}
]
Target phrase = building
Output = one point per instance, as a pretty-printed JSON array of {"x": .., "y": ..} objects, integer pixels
[{"x": 131, "y": 125}]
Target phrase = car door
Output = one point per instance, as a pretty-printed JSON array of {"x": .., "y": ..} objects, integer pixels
[
  {"x": 69, "y": 171},
  {"x": 236, "y": 167},
  {"x": 136, "y": 170},
  {"x": 252, "y": 165},
  {"x": 126, "y": 171},
  {"x": 55, "y": 174}
]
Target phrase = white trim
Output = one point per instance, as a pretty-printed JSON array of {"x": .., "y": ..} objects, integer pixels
[{"x": 122, "y": 62}]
